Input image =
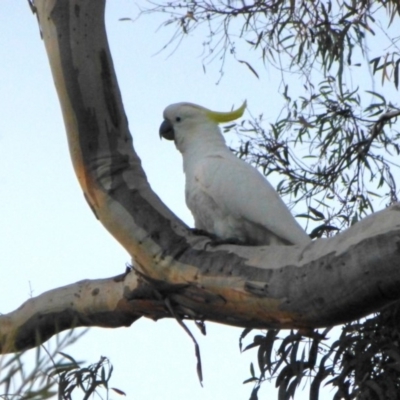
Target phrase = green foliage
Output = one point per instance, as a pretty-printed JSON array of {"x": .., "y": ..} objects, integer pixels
[
  {"x": 53, "y": 373},
  {"x": 334, "y": 148}
]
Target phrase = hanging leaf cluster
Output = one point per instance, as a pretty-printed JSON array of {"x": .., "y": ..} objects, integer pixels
[{"x": 363, "y": 363}]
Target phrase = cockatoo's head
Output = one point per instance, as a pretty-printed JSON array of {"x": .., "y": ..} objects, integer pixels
[{"x": 183, "y": 119}]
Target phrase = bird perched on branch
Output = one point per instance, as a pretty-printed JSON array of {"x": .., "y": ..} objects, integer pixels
[{"x": 227, "y": 197}]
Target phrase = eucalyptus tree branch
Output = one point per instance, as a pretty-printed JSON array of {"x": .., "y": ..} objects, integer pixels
[{"x": 327, "y": 282}]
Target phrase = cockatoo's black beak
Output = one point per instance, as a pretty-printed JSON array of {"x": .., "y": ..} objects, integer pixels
[{"x": 167, "y": 130}]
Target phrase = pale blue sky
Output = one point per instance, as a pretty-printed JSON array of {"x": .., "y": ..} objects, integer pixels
[{"x": 49, "y": 236}]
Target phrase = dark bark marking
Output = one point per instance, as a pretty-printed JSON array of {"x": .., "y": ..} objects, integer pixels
[
  {"x": 77, "y": 10},
  {"x": 109, "y": 89}
]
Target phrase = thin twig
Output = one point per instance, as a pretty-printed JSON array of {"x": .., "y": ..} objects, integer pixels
[{"x": 187, "y": 330}]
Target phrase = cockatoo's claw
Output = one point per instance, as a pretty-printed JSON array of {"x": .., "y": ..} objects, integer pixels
[
  {"x": 202, "y": 232},
  {"x": 215, "y": 240},
  {"x": 218, "y": 242}
]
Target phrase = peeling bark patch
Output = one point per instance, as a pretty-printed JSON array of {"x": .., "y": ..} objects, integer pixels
[{"x": 95, "y": 292}]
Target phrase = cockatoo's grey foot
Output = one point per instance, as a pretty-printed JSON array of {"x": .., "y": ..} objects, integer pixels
[{"x": 215, "y": 240}]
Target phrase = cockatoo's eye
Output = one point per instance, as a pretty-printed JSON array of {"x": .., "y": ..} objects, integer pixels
[{"x": 178, "y": 119}]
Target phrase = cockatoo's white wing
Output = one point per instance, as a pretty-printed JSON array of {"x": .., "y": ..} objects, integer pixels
[
  {"x": 244, "y": 197},
  {"x": 227, "y": 197}
]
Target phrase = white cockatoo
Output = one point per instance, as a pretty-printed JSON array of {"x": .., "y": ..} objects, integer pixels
[{"x": 227, "y": 197}]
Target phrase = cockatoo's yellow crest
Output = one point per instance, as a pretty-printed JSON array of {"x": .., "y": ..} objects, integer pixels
[{"x": 220, "y": 117}]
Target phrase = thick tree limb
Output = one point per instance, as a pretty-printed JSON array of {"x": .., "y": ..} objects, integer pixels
[{"x": 325, "y": 283}]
